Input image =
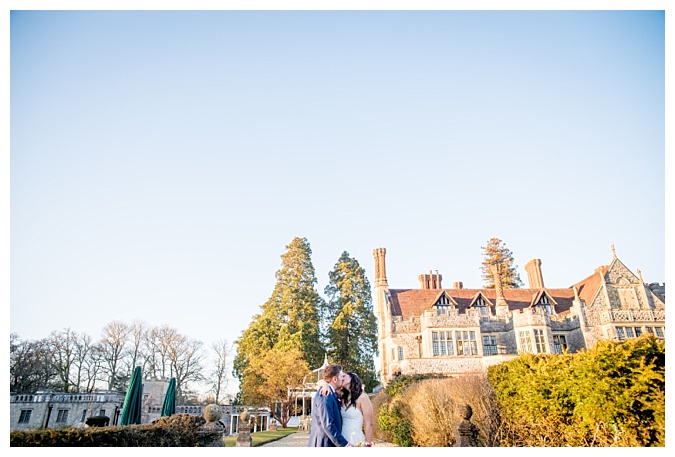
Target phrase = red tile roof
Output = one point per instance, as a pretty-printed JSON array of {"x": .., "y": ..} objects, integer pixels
[
  {"x": 589, "y": 286},
  {"x": 409, "y": 303}
]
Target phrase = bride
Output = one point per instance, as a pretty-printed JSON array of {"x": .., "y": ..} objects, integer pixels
[{"x": 356, "y": 409}]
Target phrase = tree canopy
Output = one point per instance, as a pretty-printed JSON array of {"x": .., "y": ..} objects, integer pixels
[
  {"x": 290, "y": 317},
  {"x": 497, "y": 255},
  {"x": 351, "y": 329}
]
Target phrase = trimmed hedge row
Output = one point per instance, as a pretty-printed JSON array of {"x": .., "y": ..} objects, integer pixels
[
  {"x": 610, "y": 395},
  {"x": 179, "y": 430}
]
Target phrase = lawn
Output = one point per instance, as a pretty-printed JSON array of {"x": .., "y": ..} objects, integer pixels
[{"x": 260, "y": 438}]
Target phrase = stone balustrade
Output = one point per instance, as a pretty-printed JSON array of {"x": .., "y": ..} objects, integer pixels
[{"x": 631, "y": 315}]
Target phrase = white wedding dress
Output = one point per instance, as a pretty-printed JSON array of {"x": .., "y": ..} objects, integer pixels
[{"x": 352, "y": 425}]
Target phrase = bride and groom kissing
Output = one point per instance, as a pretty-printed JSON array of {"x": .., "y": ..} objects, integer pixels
[{"x": 341, "y": 411}]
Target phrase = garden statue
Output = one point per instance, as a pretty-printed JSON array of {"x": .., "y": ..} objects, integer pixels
[
  {"x": 466, "y": 433},
  {"x": 244, "y": 439},
  {"x": 213, "y": 428}
]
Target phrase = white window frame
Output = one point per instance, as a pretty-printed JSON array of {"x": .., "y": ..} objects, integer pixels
[
  {"x": 525, "y": 338},
  {"x": 540, "y": 341},
  {"x": 442, "y": 343},
  {"x": 466, "y": 342}
]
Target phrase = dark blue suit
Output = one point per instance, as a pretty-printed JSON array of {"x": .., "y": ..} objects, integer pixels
[{"x": 326, "y": 430}]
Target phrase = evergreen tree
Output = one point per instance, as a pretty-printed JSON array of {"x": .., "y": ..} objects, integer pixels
[
  {"x": 496, "y": 254},
  {"x": 351, "y": 330},
  {"x": 290, "y": 317}
]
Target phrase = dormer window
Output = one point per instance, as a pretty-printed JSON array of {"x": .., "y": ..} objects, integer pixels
[
  {"x": 545, "y": 304},
  {"x": 443, "y": 304},
  {"x": 481, "y": 306}
]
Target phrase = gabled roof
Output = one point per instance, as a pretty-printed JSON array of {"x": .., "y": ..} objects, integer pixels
[
  {"x": 589, "y": 286},
  {"x": 537, "y": 296},
  {"x": 442, "y": 293},
  {"x": 479, "y": 294},
  {"x": 409, "y": 303}
]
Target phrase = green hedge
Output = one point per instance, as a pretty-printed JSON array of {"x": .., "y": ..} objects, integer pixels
[
  {"x": 610, "y": 395},
  {"x": 180, "y": 430}
]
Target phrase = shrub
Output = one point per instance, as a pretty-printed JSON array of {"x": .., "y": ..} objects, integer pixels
[
  {"x": 610, "y": 395},
  {"x": 434, "y": 410},
  {"x": 392, "y": 418},
  {"x": 379, "y": 400},
  {"x": 423, "y": 410},
  {"x": 180, "y": 430}
]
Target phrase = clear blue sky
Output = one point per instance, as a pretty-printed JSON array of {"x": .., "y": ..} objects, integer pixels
[{"x": 161, "y": 161}]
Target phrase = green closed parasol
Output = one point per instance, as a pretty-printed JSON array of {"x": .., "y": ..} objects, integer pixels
[
  {"x": 131, "y": 411},
  {"x": 169, "y": 406}
]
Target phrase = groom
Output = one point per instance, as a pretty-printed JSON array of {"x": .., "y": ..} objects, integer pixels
[{"x": 326, "y": 428}]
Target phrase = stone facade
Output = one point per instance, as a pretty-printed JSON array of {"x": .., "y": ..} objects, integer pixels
[
  {"x": 457, "y": 331},
  {"x": 61, "y": 409}
]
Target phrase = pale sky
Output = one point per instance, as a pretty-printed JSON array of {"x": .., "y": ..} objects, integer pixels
[{"x": 161, "y": 161}]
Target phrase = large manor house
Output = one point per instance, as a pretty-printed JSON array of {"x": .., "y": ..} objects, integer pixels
[{"x": 456, "y": 331}]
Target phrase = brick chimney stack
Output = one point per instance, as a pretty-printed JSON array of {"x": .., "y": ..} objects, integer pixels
[
  {"x": 430, "y": 281},
  {"x": 458, "y": 285},
  {"x": 534, "y": 276},
  {"x": 380, "y": 267}
]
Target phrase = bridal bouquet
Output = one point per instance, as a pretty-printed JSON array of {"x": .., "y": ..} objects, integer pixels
[{"x": 363, "y": 444}]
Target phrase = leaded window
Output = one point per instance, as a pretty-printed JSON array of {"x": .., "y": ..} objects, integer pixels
[
  {"x": 466, "y": 342},
  {"x": 539, "y": 341},
  {"x": 489, "y": 345},
  {"x": 525, "y": 341},
  {"x": 442, "y": 343}
]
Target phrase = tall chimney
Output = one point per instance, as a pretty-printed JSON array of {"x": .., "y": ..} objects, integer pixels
[
  {"x": 501, "y": 307},
  {"x": 380, "y": 267},
  {"x": 458, "y": 285},
  {"x": 534, "y": 277},
  {"x": 431, "y": 280}
]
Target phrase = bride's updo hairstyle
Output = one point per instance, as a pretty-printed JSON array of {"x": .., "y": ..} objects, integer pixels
[{"x": 349, "y": 396}]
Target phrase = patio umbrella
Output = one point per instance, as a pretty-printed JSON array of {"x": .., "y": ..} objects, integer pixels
[
  {"x": 169, "y": 406},
  {"x": 131, "y": 411}
]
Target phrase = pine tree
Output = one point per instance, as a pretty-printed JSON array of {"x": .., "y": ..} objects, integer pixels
[
  {"x": 350, "y": 327},
  {"x": 497, "y": 254},
  {"x": 290, "y": 317}
]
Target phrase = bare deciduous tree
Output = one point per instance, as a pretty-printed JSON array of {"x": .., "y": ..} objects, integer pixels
[
  {"x": 115, "y": 339},
  {"x": 31, "y": 366},
  {"x": 221, "y": 350},
  {"x": 62, "y": 345}
]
